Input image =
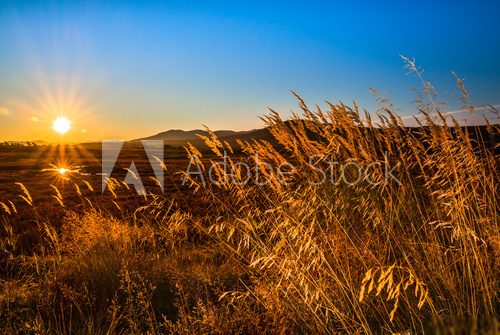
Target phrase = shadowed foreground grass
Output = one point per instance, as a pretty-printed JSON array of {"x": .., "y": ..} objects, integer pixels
[{"x": 418, "y": 255}]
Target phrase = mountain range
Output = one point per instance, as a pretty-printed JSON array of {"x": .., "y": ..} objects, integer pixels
[{"x": 178, "y": 138}]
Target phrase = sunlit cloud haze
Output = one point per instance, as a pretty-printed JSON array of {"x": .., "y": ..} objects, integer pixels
[{"x": 122, "y": 70}]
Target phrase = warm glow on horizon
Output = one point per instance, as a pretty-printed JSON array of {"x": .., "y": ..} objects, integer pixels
[{"x": 61, "y": 125}]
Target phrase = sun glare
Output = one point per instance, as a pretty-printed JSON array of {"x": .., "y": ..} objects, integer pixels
[
  {"x": 62, "y": 171},
  {"x": 61, "y": 125}
]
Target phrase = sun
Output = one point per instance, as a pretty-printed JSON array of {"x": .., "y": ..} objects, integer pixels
[{"x": 61, "y": 125}]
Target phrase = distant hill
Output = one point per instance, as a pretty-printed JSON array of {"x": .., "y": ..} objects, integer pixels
[
  {"x": 176, "y": 137},
  {"x": 186, "y": 135}
]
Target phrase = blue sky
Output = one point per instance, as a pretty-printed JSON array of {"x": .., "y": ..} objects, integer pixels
[{"x": 130, "y": 68}]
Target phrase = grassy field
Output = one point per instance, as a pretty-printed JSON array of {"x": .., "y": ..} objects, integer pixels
[{"x": 412, "y": 255}]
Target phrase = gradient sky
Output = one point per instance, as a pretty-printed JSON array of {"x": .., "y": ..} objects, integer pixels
[{"x": 131, "y": 69}]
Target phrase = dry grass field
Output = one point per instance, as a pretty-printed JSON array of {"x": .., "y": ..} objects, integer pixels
[{"x": 420, "y": 254}]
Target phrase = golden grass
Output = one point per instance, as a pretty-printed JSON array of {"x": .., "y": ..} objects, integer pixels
[
  {"x": 309, "y": 246},
  {"x": 397, "y": 257}
]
